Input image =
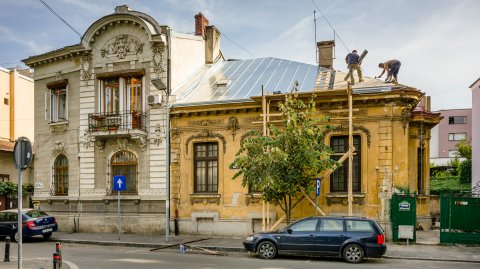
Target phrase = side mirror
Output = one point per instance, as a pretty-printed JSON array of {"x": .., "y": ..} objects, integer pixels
[{"x": 289, "y": 230}]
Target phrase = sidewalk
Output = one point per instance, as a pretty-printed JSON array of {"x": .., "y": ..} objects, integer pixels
[{"x": 427, "y": 251}]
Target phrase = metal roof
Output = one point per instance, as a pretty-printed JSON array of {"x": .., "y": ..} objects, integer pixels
[
  {"x": 238, "y": 80},
  {"x": 235, "y": 81}
]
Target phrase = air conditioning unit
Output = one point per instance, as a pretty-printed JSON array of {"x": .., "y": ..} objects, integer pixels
[{"x": 154, "y": 99}]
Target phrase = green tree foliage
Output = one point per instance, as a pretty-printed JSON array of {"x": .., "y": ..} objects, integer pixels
[
  {"x": 464, "y": 148},
  {"x": 9, "y": 188},
  {"x": 466, "y": 171},
  {"x": 287, "y": 161}
]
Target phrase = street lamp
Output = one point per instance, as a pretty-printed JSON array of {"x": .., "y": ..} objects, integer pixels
[{"x": 162, "y": 87}]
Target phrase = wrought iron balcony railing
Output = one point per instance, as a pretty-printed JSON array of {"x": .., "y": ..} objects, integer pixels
[{"x": 125, "y": 120}]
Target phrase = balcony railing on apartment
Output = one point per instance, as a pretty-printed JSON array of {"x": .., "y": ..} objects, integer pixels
[{"x": 125, "y": 120}]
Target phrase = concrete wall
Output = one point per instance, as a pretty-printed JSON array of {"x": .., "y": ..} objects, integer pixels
[{"x": 475, "y": 133}]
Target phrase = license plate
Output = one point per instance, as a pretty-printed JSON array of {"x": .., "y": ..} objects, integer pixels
[{"x": 47, "y": 230}]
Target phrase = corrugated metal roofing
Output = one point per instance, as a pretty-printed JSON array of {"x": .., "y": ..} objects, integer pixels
[{"x": 238, "y": 80}]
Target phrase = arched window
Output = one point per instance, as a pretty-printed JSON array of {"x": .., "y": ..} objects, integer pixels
[
  {"x": 60, "y": 175},
  {"x": 124, "y": 163}
]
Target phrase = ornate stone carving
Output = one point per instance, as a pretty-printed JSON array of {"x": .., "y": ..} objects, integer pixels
[
  {"x": 100, "y": 144},
  {"x": 158, "y": 59},
  {"x": 233, "y": 125},
  {"x": 157, "y": 135},
  {"x": 58, "y": 148},
  {"x": 344, "y": 128},
  {"x": 121, "y": 46},
  {"x": 405, "y": 116},
  {"x": 205, "y": 122},
  {"x": 253, "y": 198},
  {"x": 58, "y": 76},
  {"x": 207, "y": 134},
  {"x": 87, "y": 139},
  {"x": 122, "y": 143},
  {"x": 205, "y": 198},
  {"x": 141, "y": 140},
  {"x": 86, "y": 67}
]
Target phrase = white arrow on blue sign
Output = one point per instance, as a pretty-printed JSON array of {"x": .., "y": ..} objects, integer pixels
[{"x": 119, "y": 183}]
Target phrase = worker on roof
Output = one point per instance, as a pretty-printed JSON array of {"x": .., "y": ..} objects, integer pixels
[
  {"x": 392, "y": 67},
  {"x": 353, "y": 62}
]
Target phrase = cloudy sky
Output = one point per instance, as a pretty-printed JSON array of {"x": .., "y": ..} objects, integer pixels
[{"x": 437, "y": 41}]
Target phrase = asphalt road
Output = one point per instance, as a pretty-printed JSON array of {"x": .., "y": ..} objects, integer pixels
[{"x": 38, "y": 254}]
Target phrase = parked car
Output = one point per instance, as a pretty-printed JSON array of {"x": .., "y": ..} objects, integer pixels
[
  {"x": 35, "y": 222},
  {"x": 352, "y": 238}
]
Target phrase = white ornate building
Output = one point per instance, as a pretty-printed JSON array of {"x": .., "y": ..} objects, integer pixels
[{"x": 100, "y": 112}]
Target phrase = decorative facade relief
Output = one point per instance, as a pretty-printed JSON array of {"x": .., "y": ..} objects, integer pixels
[
  {"x": 100, "y": 144},
  {"x": 86, "y": 67},
  {"x": 158, "y": 59},
  {"x": 207, "y": 134},
  {"x": 122, "y": 143},
  {"x": 121, "y": 46},
  {"x": 344, "y": 128},
  {"x": 141, "y": 140},
  {"x": 157, "y": 135},
  {"x": 58, "y": 148},
  {"x": 87, "y": 139},
  {"x": 233, "y": 126},
  {"x": 215, "y": 122}
]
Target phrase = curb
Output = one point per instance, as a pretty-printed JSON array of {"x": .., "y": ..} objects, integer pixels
[{"x": 229, "y": 249}]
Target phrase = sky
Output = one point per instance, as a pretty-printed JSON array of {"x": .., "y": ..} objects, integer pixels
[{"x": 437, "y": 41}]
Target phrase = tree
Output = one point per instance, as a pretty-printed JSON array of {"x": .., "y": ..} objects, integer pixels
[
  {"x": 464, "y": 148},
  {"x": 282, "y": 164}
]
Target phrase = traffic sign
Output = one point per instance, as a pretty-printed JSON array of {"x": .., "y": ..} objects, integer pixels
[
  {"x": 22, "y": 153},
  {"x": 119, "y": 183},
  {"x": 318, "y": 186}
]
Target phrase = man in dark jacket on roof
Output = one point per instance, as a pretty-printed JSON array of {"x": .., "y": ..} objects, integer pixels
[
  {"x": 392, "y": 67},
  {"x": 353, "y": 63}
]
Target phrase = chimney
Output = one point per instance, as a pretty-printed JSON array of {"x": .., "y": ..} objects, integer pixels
[
  {"x": 200, "y": 23},
  {"x": 325, "y": 53}
]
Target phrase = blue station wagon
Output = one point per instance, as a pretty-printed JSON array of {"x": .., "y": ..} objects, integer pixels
[
  {"x": 351, "y": 238},
  {"x": 35, "y": 222}
]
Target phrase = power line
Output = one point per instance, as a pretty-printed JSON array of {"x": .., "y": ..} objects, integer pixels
[
  {"x": 334, "y": 31},
  {"x": 231, "y": 40},
  {"x": 58, "y": 16}
]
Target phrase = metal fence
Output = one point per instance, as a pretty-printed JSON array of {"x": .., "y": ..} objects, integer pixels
[{"x": 460, "y": 218}]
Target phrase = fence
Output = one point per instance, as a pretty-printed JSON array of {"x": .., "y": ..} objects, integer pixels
[{"x": 459, "y": 218}]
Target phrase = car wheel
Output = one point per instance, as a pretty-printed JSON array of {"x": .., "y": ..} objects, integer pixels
[
  {"x": 47, "y": 235},
  {"x": 15, "y": 237},
  {"x": 353, "y": 253},
  {"x": 267, "y": 250}
]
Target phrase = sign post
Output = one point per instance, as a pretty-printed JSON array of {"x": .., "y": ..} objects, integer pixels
[
  {"x": 22, "y": 156},
  {"x": 317, "y": 193},
  {"x": 119, "y": 184}
]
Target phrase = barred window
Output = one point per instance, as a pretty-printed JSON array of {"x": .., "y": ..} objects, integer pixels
[
  {"x": 206, "y": 167},
  {"x": 60, "y": 175},
  {"x": 124, "y": 163},
  {"x": 339, "y": 178}
]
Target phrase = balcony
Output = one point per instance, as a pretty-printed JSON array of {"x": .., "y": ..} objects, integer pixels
[{"x": 129, "y": 124}]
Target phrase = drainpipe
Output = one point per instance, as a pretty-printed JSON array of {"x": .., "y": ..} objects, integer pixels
[
  {"x": 167, "y": 139},
  {"x": 13, "y": 74}
]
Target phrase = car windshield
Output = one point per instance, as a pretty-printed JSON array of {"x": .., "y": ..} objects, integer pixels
[{"x": 35, "y": 214}]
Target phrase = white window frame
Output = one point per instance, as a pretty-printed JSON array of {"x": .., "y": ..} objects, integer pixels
[
  {"x": 454, "y": 136},
  {"x": 49, "y": 110}
]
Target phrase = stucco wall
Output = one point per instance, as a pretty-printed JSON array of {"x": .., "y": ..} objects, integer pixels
[
  {"x": 476, "y": 133},
  {"x": 188, "y": 55},
  {"x": 444, "y": 128},
  {"x": 4, "y": 109}
]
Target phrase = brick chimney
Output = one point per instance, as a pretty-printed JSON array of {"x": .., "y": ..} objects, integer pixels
[
  {"x": 200, "y": 23},
  {"x": 325, "y": 53}
]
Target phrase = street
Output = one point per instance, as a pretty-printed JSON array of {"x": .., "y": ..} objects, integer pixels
[{"x": 38, "y": 254}]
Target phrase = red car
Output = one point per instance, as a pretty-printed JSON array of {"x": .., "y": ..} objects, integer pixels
[{"x": 35, "y": 222}]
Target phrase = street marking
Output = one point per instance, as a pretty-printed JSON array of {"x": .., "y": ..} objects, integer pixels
[{"x": 71, "y": 264}]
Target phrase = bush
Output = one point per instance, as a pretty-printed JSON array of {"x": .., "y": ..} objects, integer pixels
[
  {"x": 466, "y": 171},
  {"x": 448, "y": 184}
]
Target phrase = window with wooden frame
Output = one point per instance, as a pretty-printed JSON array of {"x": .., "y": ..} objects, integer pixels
[
  {"x": 4, "y": 178},
  {"x": 110, "y": 96},
  {"x": 56, "y": 101},
  {"x": 124, "y": 163},
  {"x": 339, "y": 178},
  {"x": 206, "y": 167},
  {"x": 60, "y": 175}
]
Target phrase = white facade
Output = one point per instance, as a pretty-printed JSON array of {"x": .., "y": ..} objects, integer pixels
[
  {"x": 476, "y": 134},
  {"x": 98, "y": 114}
]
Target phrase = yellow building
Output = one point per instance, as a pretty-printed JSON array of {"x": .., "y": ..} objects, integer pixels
[{"x": 213, "y": 113}]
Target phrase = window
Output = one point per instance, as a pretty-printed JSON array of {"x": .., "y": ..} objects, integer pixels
[
  {"x": 60, "y": 175},
  {"x": 309, "y": 225},
  {"x": 331, "y": 225},
  {"x": 135, "y": 101},
  {"x": 339, "y": 178},
  {"x": 56, "y": 102},
  {"x": 359, "y": 226},
  {"x": 110, "y": 96},
  {"x": 453, "y": 153},
  {"x": 4, "y": 178},
  {"x": 124, "y": 163},
  {"x": 5, "y": 101},
  {"x": 206, "y": 167},
  {"x": 457, "y": 120},
  {"x": 456, "y": 136}
]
